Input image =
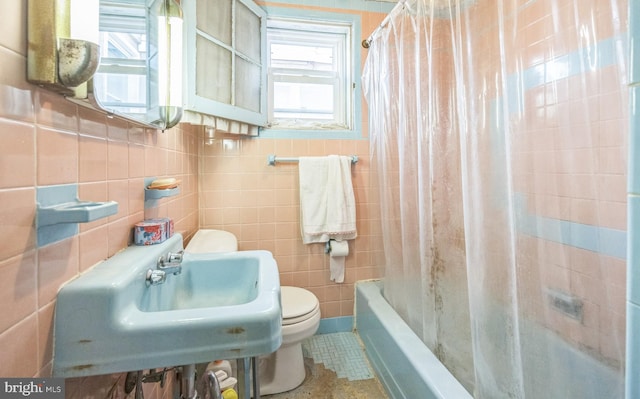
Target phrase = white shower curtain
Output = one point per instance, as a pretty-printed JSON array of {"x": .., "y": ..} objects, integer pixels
[{"x": 498, "y": 139}]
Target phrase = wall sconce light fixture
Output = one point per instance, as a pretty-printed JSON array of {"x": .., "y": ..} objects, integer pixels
[
  {"x": 63, "y": 51},
  {"x": 170, "y": 59}
]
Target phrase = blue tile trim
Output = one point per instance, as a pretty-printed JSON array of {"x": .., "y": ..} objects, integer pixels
[
  {"x": 335, "y": 324},
  {"x": 598, "y": 56},
  {"x": 633, "y": 178},
  {"x": 632, "y": 355},
  {"x": 633, "y": 253},
  {"x": 603, "y": 240}
]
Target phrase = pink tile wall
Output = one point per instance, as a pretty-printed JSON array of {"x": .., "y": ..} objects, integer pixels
[
  {"x": 569, "y": 159},
  {"x": 259, "y": 203},
  {"x": 47, "y": 140}
]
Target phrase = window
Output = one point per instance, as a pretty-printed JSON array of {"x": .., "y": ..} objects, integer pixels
[
  {"x": 121, "y": 79},
  {"x": 226, "y": 74},
  {"x": 309, "y": 75}
]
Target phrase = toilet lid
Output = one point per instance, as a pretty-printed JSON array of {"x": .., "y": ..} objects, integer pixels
[{"x": 297, "y": 302}]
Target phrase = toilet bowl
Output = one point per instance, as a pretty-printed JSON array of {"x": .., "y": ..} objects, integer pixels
[{"x": 284, "y": 370}]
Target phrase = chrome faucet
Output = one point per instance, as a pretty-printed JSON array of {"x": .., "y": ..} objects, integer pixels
[
  {"x": 172, "y": 263},
  {"x": 169, "y": 263}
]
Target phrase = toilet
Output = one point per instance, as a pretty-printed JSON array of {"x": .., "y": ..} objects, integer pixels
[{"x": 282, "y": 370}]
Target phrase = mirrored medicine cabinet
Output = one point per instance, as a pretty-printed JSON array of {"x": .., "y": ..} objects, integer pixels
[{"x": 139, "y": 46}]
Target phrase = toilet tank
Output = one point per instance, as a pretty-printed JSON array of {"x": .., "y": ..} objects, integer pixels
[{"x": 207, "y": 241}]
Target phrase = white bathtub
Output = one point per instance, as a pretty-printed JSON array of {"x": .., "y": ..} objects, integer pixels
[{"x": 404, "y": 364}]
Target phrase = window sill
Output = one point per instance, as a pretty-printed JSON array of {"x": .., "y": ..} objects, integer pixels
[{"x": 323, "y": 134}]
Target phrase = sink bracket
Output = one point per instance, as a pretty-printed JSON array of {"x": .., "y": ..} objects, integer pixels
[
  {"x": 154, "y": 376},
  {"x": 135, "y": 378}
]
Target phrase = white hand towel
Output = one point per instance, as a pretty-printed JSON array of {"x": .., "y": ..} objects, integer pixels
[{"x": 327, "y": 202}]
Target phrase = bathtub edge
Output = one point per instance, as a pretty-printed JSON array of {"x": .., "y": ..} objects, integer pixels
[{"x": 405, "y": 366}]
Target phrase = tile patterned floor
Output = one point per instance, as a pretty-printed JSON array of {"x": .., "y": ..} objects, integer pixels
[
  {"x": 340, "y": 352},
  {"x": 336, "y": 368}
]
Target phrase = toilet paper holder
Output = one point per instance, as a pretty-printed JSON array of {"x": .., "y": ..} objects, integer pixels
[{"x": 327, "y": 245}]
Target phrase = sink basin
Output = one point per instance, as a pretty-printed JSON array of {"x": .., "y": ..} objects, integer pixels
[
  {"x": 207, "y": 281},
  {"x": 222, "y": 306}
]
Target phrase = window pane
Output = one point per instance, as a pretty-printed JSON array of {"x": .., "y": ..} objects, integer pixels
[
  {"x": 123, "y": 45},
  {"x": 125, "y": 93},
  {"x": 213, "y": 71},
  {"x": 121, "y": 80},
  {"x": 247, "y": 32},
  {"x": 214, "y": 18},
  {"x": 303, "y": 100},
  {"x": 316, "y": 58},
  {"x": 123, "y": 16},
  {"x": 248, "y": 85},
  {"x": 309, "y": 74}
]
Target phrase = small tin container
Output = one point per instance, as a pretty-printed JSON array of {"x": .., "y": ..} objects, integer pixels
[
  {"x": 149, "y": 232},
  {"x": 168, "y": 223}
]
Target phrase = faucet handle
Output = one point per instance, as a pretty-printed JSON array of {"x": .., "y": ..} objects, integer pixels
[
  {"x": 155, "y": 277},
  {"x": 175, "y": 257}
]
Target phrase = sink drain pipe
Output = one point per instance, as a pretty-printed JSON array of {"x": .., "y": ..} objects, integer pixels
[
  {"x": 248, "y": 380},
  {"x": 188, "y": 382}
]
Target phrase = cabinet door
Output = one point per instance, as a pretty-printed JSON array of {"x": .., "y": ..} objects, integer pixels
[{"x": 226, "y": 59}]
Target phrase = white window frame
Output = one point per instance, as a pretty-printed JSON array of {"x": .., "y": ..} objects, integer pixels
[
  {"x": 336, "y": 35},
  {"x": 203, "y": 105}
]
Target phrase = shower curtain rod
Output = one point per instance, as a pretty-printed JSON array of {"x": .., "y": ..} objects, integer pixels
[
  {"x": 366, "y": 43},
  {"x": 272, "y": 159}
]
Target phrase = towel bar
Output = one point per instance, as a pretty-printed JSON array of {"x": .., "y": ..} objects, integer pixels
[{"x": 272, "y": 159}]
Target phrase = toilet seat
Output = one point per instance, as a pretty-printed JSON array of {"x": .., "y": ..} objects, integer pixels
[
  {"x": 300, "y": 319},
  {"x": 298, "y": 305}
]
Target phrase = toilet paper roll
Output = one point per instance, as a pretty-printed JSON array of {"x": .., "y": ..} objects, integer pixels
[{"x": 339, "y": 250}]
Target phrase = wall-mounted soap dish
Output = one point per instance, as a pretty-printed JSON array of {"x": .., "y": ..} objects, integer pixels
[
  {"x": 154, "y": 194},
  {"x": 151, "y": 195},
  {"x": 75, "y": 212},
  {"x": 59, "y": 211}
]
